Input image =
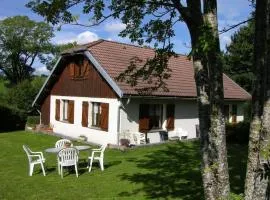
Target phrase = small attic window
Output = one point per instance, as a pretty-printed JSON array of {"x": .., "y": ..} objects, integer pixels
[{"x": 78, "y": 69}]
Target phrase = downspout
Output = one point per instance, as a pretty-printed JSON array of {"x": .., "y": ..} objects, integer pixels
[
  {"x": 39, "y": 116},
  {"x": 118, "y": 124}
]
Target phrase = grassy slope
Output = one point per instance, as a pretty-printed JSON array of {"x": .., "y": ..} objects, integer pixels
[{"x": 170, "y": 171}]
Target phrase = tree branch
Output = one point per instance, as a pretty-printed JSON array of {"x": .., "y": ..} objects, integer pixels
[{"x": 224, "y": 30}]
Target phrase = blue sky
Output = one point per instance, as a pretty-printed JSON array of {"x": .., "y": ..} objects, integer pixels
[{"x": 229, "y": 12}]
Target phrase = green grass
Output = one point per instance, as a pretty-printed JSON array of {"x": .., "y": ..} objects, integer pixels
[{"x": 167, "y": 171}]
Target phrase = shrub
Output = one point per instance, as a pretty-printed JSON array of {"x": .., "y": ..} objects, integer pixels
[
  {"x": 32, "y": 120},
  {"x": 238, "y": 133},
  {"x": 11, "y": 118}
]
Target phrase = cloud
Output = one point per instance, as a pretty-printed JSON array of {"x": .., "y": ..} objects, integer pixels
[
  {"x": 225, "y": 40},
  {"x": 86, "y": 37},
  {"x": 41, "y": 70},
  {"x": 69, "y": 37},
  {"x": 114, "y": 26}
]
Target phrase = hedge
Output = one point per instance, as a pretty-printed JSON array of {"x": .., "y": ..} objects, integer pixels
[{"x": 11, "y": 118}]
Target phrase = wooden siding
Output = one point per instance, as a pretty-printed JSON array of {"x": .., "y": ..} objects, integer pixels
[
  {"x": 45, "y": 111},
  {"x": 93, "y": 85}
]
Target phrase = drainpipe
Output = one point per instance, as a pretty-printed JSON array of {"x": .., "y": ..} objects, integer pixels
[
  {"x": 118, "y": 124},
  {"x": 39, "y": 116}
]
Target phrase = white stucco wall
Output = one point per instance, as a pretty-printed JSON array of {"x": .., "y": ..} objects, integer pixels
[
  {"x": 76, "y": 129},
  {"x": 186, "y": 116}
]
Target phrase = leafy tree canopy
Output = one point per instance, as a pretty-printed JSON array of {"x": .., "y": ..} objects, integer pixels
[
  {"x": 238, "y": 60},
  {"x": 56, "y": 51},
  {"x": 22, "y": 41}
]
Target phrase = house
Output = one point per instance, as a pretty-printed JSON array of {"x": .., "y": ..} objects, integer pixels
[{"x": 82, "y": 97}]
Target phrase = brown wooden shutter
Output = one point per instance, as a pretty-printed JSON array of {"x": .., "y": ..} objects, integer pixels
[
  {"x": 85, "y": 69},
  {"x": 57, "y": 109},
  {"x": 144, "y": 118},
  {"x": 71, "y": 112},
  {"x": 85, "y": 107},
  {"x": 104, "y": 116},
  {"x": 72, "y": 70},
  {"x": 170, "y": 117}
]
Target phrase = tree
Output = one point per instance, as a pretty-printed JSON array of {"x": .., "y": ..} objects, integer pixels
[
  {"x": 22, "y": 41},
  {"x": 152, "y": 20},
  {"x": 238, "y": 59},
  {"x": 56, "y": 52},
  {"x": 257, "y": 181},
  {"x": 21, "y": 95}
]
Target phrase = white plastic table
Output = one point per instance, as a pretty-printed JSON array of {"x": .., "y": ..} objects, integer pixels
[{"x": 56, "y": 150}]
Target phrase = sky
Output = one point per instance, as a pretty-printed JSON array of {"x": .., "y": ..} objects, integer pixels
[{"x": 230, "y": 12}]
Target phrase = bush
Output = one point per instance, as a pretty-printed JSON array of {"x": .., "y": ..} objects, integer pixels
[
  {"x": 32, "y": 120},
  {"x": 238, "y": 133},
  {"x": 11, "y": 118}
]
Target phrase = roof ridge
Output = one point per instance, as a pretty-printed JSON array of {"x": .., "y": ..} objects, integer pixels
[{"x": 133, "y": 45}]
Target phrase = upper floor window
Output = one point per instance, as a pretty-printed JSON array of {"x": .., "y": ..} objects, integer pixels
[{"x": 78, "y": 69}]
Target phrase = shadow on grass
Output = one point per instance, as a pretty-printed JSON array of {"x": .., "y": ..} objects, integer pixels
[
  {"x": 237, "y": 160},
  {"x": 173, "y": 172}
]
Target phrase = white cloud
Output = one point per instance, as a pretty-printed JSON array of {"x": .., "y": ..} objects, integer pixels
[
  {"x": 114, "y": 26},
  {"x": 41, "y": 70},
  {"x": 86, "y": 37},
  {"x": 225, "y": 40},
  {"x": 82, "y": 38}
]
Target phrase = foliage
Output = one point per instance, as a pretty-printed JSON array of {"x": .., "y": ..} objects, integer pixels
[
  {"x": 164, "y": 171},
  {"x": 238, "y": 133},
  {"x": 56, "y": 52},
  {"x": 22, "y": 41},
  {"x": 11, "y": 118},
  {"x": 32, "y": 120},
  {"x": 236, "y": 196},
  {"x": 23, "y": 94},
  {"x": 238, "y": 59}
]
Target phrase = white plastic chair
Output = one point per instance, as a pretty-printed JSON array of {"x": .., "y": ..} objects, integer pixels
[
  {"x": 178, "y": 133},
  {"x": 139, "y": 138},
  {"x": 68, "y": 157},
  {"x": 62, "y": 142},
  {"x": 34, "y": 158},
  {"x": 98, "y": 157}
]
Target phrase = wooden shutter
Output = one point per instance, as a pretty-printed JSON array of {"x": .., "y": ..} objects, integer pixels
[
  {"x": 170, "y": 117},
  {"x": 85, "y": 107},
  {"x": 72, "y": 70},
  {"x": 57, "y": 109},
  {"x": 85, "y": 69},
  {"x": 144, "y": 118},
  {"x": 104, "y": 116},
  {"x": 71, "y": 112}
]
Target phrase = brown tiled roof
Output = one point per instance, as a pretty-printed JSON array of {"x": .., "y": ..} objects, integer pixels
[{"x": 114, "y": 57}]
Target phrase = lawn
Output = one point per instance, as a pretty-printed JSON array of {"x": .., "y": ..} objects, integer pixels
[{"x": 167, "y": 171}]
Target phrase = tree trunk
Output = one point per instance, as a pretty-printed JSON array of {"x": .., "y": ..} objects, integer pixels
[
  {"x": 255, "y": 186},
  {"x": 209, "y": 83}
]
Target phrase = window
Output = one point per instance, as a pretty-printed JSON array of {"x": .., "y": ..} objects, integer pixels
[
  {"x": 150, "y": 117},
  {"x": 234, "y": 113},
  {"x": 65, "y": 110},
  {"x": 155, "y": 116},
  {"x": 95, "y": 114},
  {"x": 78, "y": 69}
]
